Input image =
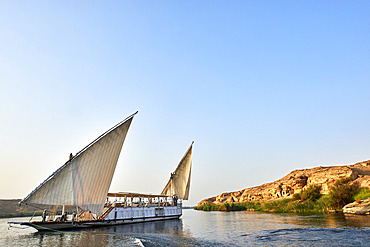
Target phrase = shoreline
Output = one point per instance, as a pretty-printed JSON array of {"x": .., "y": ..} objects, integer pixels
[
  {"x": 280, "y": 206},
  {"x": 16, "y": 215},
  {"x": 342, "y": 196}
]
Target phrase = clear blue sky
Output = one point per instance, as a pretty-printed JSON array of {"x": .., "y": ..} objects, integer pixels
[{"x": 262, "y": 87}]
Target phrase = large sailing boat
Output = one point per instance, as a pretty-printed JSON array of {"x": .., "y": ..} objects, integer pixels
[{"x": 76, "y": 195}]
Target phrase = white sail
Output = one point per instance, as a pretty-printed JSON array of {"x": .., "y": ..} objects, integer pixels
[
  {"x": 179, "y": 183},
  {"x": 85, "y": 179}
]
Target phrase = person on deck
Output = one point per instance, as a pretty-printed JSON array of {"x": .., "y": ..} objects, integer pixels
[
  {"x": 44, "y": 215},
  {"x": 74, "y": 217},
  {"x": 64, "y": 217}
]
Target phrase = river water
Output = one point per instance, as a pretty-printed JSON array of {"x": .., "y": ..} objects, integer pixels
[{"x": 198, "y": 228}]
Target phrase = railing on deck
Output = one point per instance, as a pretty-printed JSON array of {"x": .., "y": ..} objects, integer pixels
[{"x": 106, "y": 212}]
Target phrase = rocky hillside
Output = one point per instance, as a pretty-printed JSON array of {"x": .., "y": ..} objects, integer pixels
[{"x": 295, "y": 182}]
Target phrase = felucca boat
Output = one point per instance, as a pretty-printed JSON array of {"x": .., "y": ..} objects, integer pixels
[{"x": 76, "y": 195}]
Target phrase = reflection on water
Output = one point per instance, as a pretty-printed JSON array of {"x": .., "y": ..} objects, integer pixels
[
  {"x": 253, "y": 228},
  {"x": 169, "y": 232},
  {"x": 197, "y": 228},
  {"x": 171, "y": 227}
]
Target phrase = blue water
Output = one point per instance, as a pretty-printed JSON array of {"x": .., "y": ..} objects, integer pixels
[{"x": 197, "y": 228}]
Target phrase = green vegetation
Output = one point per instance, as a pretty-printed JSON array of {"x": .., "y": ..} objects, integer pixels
[
  {"x": 309, "y": 201},
  {"x": 342, "y": 193},
  {"x": 363, "y": 194},
  {"x": 312, "y": 193},
  {"x": 280, "y": 206}
]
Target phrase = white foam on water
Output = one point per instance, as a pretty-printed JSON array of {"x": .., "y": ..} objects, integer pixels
[{"x": 138, "y": 242}]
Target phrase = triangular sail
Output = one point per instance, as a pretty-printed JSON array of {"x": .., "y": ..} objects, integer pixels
[
  {"x": 85, "y": 179},
  {"x": 179, "y": 183}
]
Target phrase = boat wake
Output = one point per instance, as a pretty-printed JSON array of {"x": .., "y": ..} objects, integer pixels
[{"x": 138, "y": 242}]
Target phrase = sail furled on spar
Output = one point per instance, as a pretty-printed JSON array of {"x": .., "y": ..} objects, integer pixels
[
  {"x": 179, "y": 182},
  {"x": 85, "y": 179}
]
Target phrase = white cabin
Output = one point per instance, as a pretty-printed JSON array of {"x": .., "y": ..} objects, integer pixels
[{"x": 132, "y": 207}]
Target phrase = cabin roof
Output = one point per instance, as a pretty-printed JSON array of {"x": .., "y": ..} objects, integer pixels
[{"x": 133, "y": 194}]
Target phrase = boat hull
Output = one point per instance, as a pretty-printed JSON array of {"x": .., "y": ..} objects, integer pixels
[
  {"x": 56, "y": 226},
  {"x": 125, "y": 216}
]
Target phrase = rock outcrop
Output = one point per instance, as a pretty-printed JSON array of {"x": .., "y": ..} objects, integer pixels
[
  {"x": 358, "y": 207},
  {"x": 295, "y": 182}
]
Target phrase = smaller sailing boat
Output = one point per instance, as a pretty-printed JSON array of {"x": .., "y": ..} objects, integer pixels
[{"x": 76, "y": 195}]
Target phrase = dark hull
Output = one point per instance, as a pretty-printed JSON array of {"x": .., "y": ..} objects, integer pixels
[{"x": 57, "y": 226}]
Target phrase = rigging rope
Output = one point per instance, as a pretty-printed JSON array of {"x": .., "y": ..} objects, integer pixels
[{"x": 32, "y": 217}]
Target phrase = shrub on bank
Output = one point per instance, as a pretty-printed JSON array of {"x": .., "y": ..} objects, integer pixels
[
  {"x": 207, "y": 207},
  {"x": 312, "y": 193},
  {"x": 342, "y": 193},
  {"x": 362, "y": 194},
  {"x": 324, "y": 203}
]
